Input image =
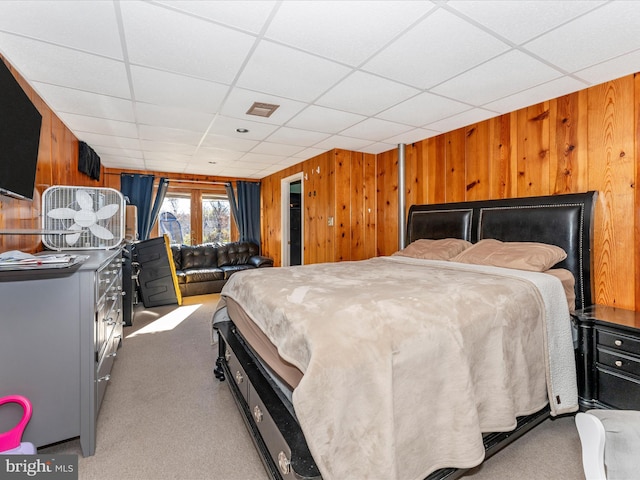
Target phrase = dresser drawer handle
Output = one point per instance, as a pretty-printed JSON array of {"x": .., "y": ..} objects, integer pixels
[
  {"x": 239, "y": 377},
  {"x": 106, "y": 378},
  {"x": 257, "y": 414},
  {"x": 227, "y": 354},
  {"x": 284, "y": 463},
  {"x": 618, "y": 343},
  {"x": 618, "y": 363}
]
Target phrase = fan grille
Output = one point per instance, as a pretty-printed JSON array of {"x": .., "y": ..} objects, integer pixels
[{"x": 63, "y": 197}]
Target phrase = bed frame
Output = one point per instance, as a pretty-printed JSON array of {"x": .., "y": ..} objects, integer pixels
[{"x": 563, "y": 220}]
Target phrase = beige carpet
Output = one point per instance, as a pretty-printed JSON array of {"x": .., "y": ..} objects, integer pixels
[{"x": 165, "y": 416}]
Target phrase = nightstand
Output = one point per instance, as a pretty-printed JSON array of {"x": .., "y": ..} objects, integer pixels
[{"x": 608, "y": 357}]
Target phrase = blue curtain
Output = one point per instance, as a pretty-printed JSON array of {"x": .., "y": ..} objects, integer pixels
[
  {"x": 247, "y": 210},
  {"x": 139, "y": 190}
]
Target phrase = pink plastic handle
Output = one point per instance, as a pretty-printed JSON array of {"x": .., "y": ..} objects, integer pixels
[{"x": 12, "y": 438}]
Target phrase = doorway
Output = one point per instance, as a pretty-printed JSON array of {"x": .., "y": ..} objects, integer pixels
[{"x": 292, "y": 224}]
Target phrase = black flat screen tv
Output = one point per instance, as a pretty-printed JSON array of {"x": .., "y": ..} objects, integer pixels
[{"x": 20, "y": 124}]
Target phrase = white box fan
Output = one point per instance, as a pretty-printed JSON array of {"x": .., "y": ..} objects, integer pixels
[{"x": 94, "y": 216}]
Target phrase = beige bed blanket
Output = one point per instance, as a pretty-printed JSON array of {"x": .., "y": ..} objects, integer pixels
[{"x": 407, "y": 362}]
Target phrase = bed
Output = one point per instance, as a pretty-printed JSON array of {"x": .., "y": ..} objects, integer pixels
[{"x": 385, "y": 387}]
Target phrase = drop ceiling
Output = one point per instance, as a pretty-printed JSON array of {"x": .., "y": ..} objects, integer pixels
[{"x": 165, "y": 85}]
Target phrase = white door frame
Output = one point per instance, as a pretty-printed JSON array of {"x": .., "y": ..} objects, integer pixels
[{"x": 285, "y": 186}]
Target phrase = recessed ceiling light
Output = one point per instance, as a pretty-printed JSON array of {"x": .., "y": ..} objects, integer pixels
[
  {"x": 262, "y": 109},
  {"x": 242, "y": 130}
]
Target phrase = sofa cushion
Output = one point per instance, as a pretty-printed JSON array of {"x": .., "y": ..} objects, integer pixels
[
  {"x": 236, "y": 253},
  {"x": 199, "y": 256},
  {"x": 231, "y": 269},
  {"x": 177, "y": 256},
  {"x": 203, "y": 274}
]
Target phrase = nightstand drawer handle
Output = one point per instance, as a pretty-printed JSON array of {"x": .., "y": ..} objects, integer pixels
[
  {"x": 618, "y": 343},
  {"x": 618, "y": 363}
]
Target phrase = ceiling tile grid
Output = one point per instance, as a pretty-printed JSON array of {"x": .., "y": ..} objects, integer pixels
[{"x": 165, "y": 85}]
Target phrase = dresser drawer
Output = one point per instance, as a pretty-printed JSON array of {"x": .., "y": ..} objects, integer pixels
[
  {"x": 270, "y": 433},
  {"x": 103, "y": 370},
  {"x": 617, "y": 341},
  {"x": 618, "y": 391},
  {"x": 619, "y": 361},
  {"x": 238, "y": 375}
]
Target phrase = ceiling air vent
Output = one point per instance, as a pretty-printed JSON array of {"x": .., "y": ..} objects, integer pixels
[{"x": 262, "y": 109}]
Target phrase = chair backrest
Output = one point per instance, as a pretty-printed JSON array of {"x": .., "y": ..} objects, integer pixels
[
  {"x": 592, "y": 437},
  {"x": 170, "y": 225},
  {"x": 11, "y": 439}
]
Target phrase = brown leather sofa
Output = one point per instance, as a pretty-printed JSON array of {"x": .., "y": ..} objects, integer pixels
[{"x": 202, "y": 269}]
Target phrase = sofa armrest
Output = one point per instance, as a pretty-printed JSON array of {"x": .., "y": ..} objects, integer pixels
[{"x": 260, "y": 261}]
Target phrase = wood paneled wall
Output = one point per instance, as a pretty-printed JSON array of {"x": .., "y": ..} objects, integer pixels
[
  {"x": 588, "y": 140},
  {"x": 339, "y": 188}
]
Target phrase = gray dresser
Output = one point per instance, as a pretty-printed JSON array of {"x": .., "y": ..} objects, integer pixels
[{"x": 59, "y": 335}]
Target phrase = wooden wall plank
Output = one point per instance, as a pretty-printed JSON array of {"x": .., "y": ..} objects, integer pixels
[
  {"x": 455, "y": 164},
  {"x": 533, "y": 151},
  {"x": 502, "y": 166},
  {"x": 612, "y": 173},
  {"x": 477, "y": 161}
]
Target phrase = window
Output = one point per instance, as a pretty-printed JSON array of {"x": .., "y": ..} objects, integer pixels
[
  {"x": 175, "y": 217},
  {"x": 216, "y": 218}
]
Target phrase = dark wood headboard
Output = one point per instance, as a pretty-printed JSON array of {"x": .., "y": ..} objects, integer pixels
[{"x": 562, "y": 220}]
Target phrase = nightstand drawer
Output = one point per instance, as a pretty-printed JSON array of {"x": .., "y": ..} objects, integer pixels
[
  {"x": 617, "y": 391},
  {"x": 618, "y": 342},
  {"x": 618, "y": 361}
]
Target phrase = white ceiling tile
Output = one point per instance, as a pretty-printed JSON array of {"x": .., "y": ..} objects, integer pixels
[
  {"x": 67, "y": 100},
  {"x": 295, "y": 136},
  {"x": 216, "y": 154},
  {"x": 346, "y": 143},
  {"x": 159, "y": 38},
  {"x": 118, "y": 161},
  {"x": 173, "y": 117},
  {"x": 261, "y": 158},
  {"x": 509, "y": 73},
  {"x": 240, "y": 100},
  {"x": 291, "y": 73},
  {"x": 118, "y": 152},
  {"x": 304, "y": 154},
  {"x": 277, "y": 149},
  {"x": 82, "y": 123},
  {"x": 86, "y": 25},
  {"x": 325, "y": 27},
  {"x": 609, "y": 70},
  {"x": 175, "y": 135},
  {"x": 422, "y": 109},
  {"x": 321, "y": 119},
  {"x": 67, "y": 67},
  {"x": 439, "y": 47},
  {"x": 245, "y": 15},
  {"x": 374, "y": 129},
  {"x": 506, "y": 18},
  {"x": 378, "y": 147},
  {"x": 366, "y": 94},
  {"x": 229, "y": 143},
  {"x": 412, "y": 136},
  {"x": 166, "y": 147},
  {"x": 461, "y": 120},
  {"x": 600, "y": 35},
  {"x": 227, "y": 126},
  {"x": 98, "y": 141},
  {"x": 540, "y": 93},
  {"x": 163, "y": 166},
  {"x": 173, "y": 90}
]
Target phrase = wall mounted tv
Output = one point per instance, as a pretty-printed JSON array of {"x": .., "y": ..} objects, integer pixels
[{"x": 20, "y": 124}]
